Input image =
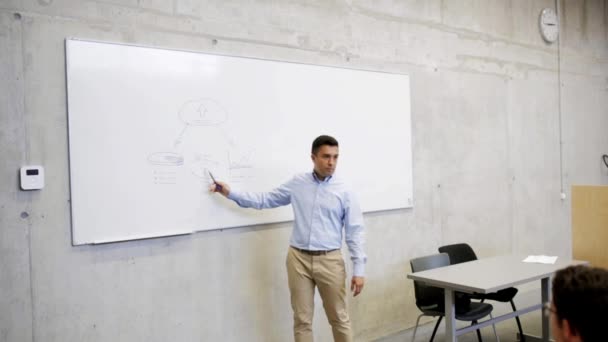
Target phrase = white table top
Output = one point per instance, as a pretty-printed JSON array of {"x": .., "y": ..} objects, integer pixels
[{"x": 490, "y": 274}]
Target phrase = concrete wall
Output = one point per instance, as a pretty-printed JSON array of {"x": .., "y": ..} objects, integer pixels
[{"x": 486, "y": 111}]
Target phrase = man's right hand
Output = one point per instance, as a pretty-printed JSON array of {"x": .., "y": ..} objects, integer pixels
[{"x": 220, "y": 187}]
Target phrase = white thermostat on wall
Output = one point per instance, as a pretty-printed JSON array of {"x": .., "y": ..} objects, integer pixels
[{"x": 32, "y": 177}]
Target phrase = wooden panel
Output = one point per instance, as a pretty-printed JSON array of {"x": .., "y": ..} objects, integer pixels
[{"x": 590, "y": 224}]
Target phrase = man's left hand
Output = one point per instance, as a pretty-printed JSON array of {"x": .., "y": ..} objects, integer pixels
[{"x": 356, "y": 285}]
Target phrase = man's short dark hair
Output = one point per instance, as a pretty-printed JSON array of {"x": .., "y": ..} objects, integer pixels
[
  {"x": 580, "y": 296},
  {"x": 323, "y": 140}
]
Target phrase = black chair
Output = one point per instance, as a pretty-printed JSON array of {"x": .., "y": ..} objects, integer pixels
[
  {"x": 430, "y": 300},
  {"x": 462, "y": 252}
]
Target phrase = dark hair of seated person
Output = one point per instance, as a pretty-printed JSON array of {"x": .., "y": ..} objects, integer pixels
[{"x": 580, "y": 296}]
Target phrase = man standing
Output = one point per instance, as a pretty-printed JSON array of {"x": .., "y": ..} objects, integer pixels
[
  {"x": 579, "y": 308},
  {"x": 324, "y": 211}
]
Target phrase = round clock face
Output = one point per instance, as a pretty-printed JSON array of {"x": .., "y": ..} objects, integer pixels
[{"x": 549, "y": 26}]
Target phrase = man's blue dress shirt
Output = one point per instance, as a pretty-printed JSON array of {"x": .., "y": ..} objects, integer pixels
[{"x": 320, "y": 209}]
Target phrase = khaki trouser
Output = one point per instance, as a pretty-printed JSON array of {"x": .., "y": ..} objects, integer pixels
[{"x": 327, "y": 272}]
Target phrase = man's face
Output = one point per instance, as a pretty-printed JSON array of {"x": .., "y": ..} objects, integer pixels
[{"x": 325, "y": 160}]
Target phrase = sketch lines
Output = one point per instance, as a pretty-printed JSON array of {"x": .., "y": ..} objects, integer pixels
[{"x": 202, "y": 144}]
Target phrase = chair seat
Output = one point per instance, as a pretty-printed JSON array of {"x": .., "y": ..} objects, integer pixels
[
  {"x": 472, "y": 312},
  {"x": 504, "y": 295},
  {"x": 476, "y": 311}
]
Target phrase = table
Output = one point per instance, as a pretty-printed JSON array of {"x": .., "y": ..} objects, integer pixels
[{"x": 490, "y": 275}]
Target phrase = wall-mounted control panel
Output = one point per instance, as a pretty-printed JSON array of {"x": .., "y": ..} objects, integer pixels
[{"x": 32, "y": 177}]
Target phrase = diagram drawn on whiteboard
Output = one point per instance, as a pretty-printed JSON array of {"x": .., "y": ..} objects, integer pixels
[{"x": 202, "y": 144}]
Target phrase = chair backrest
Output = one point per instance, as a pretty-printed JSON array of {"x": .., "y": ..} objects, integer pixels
[
  {"x": 429, "y": 262},
  {"x": 429, "y": 297},
  {"x": 459, "y": 253}
]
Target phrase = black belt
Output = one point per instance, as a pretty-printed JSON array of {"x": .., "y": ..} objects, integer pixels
[{"x": 306, "y": 251}]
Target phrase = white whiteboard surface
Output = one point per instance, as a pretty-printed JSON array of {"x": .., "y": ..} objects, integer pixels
[{"x": 146, "y": 123}]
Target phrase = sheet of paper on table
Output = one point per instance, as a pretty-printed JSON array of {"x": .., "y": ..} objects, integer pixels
[{"x": 542, "y": 259}]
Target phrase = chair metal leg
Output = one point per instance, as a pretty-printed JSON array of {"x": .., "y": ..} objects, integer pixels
[
  {"x": 477, "y": 331},
  {"x": 494, "y": 328},
  {"x": 521, "y": 332},
  {"x": 435, "y": 330},
  {"x": 416, "y": 328}
]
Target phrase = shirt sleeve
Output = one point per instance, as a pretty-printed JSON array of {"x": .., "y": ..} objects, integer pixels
[
  {"x": 262, "y": 200},
  {"x": 355, "y": 236}
]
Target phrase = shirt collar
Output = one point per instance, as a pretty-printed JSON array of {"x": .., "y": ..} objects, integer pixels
[{"x": 314, "y": 176}]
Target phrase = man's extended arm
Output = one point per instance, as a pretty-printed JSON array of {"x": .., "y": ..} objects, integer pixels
[{"x": 258, "y": 200}]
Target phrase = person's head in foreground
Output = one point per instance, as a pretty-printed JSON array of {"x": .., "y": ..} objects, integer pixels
[{"x": 579, "y": 307}]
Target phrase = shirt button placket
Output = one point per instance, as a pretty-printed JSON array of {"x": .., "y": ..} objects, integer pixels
[{"x": 314, "y": 215}]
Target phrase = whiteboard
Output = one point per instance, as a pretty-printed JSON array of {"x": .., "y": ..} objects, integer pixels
[{"x": 146, "y": 123}]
